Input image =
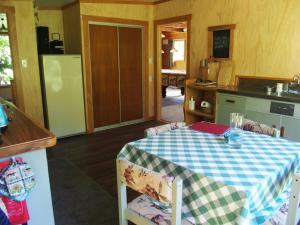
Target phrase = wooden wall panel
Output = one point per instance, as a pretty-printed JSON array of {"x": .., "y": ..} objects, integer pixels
[
  {"x": 52, "y": 19},
  {"x": 28, "y": 86},
  {"x": 72, "y": 28},
  {"x": 105, "y": 75},
  {"x": 265, "y": 39},
  {"x": 131, "y": 73}
]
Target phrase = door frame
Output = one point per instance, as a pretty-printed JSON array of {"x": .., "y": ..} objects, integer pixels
[
  {"x": 157, "y": 57},
  {"x": 87, "y": 75},
  {"x": 12, "y": 32}
]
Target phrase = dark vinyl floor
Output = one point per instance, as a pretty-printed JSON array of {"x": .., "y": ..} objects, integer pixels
[{"x": 95, "y": 154}]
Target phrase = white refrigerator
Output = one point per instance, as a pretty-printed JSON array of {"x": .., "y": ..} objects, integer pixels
[{"x": 62, "y": 89}]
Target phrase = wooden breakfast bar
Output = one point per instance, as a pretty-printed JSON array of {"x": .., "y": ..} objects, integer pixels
[{"x": 26, "y": 139}]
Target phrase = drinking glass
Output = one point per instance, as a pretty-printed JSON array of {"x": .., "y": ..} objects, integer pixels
[
  {"x": 235, "y": 134},
  {"x": 236, "y": 120}
]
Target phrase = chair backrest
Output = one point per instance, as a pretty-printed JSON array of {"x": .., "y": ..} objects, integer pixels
[
  {"x": 260, "y": 128},
  {"x": 163, "y": 128},
  {"x": 163, "y": 188},
  {"x": 293, "y": 211}
]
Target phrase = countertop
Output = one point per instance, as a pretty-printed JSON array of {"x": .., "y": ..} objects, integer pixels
[
  {"x": 23, "y": 134},
  {"x": 285, "y": 97}
]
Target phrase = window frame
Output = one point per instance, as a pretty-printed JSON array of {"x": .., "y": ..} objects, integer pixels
[
  {"x": 18, "y": 95},
  {"x": 184, "y": 49}
]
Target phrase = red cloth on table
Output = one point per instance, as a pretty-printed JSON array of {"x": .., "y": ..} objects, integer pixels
[{"x": 211, "y": 128}]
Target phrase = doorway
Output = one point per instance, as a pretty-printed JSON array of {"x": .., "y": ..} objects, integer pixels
[
  {"x": 10, "y": 82},
  {"x": 172, "y": 65}
]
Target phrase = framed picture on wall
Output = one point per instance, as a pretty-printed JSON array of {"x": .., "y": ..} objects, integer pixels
[{"x": 220, "y": 42}]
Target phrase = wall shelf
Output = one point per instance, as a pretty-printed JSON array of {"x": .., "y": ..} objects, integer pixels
[
  {"x": 199, "y": 93},
  {"x": 200, "y": 113}
]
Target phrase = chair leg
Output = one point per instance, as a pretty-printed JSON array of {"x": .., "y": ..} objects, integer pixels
[
  {"x": 176, "y": 202},
  {"x": 122, "y": 199},
  {"x": 294, "y": 201}
]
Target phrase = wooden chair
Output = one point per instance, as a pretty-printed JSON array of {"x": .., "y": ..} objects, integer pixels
[
  {"x": 159, "y": 192},
  {"x": 261, "y": 128},
  {"x": 163, "y": 128},
  {"x": 288, "y": 214}
]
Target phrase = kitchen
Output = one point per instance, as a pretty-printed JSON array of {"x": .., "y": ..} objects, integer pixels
[{"x": 264, "y": 52}]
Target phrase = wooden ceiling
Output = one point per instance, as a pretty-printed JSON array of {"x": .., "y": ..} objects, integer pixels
[{"x": 174, "y": 27}]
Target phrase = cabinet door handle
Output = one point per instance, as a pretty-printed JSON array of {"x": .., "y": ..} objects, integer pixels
[{"x": 230, "y": 101}]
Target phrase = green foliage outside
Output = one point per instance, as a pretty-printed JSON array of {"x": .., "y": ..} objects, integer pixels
[{"x": 6, "y": 72}]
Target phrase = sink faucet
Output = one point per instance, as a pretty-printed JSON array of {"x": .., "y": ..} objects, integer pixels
[{"x": 297, "y": 78}]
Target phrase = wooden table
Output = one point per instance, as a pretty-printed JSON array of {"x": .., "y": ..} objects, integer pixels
[
  {"x": 239, "y": 182},
  {"x": 174, "y": 78}
]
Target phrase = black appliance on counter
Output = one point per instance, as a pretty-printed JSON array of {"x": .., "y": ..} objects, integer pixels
[
  {"x": 45, "y": 46},
  {"x": 42, "y": 34},
  {"x": 56, "y": 45}
]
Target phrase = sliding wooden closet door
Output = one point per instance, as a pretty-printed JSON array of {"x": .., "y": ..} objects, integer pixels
[
  {"x": 105, "y": 74},
  {"x": 131, "y": 73}
]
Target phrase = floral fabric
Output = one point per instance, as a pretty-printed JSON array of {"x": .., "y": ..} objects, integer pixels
[
  {"x": 256, "y": 127},
  {"x": 152, "y": 184},
  {"x": 163, "y": 128},
  {"x": 281, "y": 215},
  {"x": 151, "y": 211}
]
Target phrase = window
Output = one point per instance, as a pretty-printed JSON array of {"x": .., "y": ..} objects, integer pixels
[
  {"x": 178, "y": 50},
  {"x": 6, "y": 70}
]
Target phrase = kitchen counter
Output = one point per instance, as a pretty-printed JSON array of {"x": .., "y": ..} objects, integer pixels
[
  {"x": 27, "y": 140},
  {"x": 286, "y": 97},
  {"x": 23, "y": 134}
]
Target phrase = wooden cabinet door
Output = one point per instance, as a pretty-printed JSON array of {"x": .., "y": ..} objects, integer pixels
[
  {"x": 105, "y": 74},
  {"x": 131, "y": 73}
]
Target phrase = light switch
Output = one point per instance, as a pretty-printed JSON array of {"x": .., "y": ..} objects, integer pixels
[
  {"x": 150, "y": 60},
  {"x": 24, "y": 63},
  {"x": 150, "y": 78}
]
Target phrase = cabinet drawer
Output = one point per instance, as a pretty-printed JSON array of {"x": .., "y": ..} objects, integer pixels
[
  {"x": 231, "y": 100},
  {"x": 258, "y": 105}
]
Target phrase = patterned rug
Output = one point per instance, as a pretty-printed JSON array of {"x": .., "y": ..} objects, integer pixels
[{"x": 77, "y": 199}]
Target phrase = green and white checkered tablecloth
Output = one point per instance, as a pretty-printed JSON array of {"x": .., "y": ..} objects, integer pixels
[{"x": 221, "y": 185}]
